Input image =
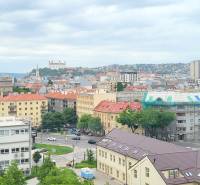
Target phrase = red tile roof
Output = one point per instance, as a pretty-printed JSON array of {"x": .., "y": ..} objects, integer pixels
[
  {"x": 60, "y": 96},
  {"x": 23, "y": 97},
  {"x": 116, "y": 107},
  {"x": 136, "y": 88}
]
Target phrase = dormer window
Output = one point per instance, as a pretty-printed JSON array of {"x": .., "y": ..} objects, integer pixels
[{"x": 173, "y": 173}]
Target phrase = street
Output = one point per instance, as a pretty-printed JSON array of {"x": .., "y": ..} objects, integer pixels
[{"x": 80, "y": 146}]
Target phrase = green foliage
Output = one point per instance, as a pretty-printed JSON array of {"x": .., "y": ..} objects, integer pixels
[
  {"x": 90, "y": 156},
  {"x": 83, "y": 121},
  {"x": 120, "y": 86},
  {"x": 87, "y": 122},
  {"x": 36, "y": 157},
  {"x": 52, "y": 120},
  {"x": 21, "y": 90},
  {"x": 86, "y": 164},
  {"x": 95, "y": 125},
  {"x": 13, "y": 176},
  {"x": 54, "y": 149},
  {"x": 152, "y": 120},
  {"x": 69, "y": 116},
  {"x": 130, "y": 118}
]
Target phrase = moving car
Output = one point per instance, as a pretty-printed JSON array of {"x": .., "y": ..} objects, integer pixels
[
  {"x": 51, "y": 139},
  {"x": 76, "y": 138},
  {"x": 91, "y": 141}
]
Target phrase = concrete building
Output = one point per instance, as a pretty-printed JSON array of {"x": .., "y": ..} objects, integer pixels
[
  {"x": 6, "y": 86},
  {"x": 24, "y": 106},
  {"x": 15, "y": 143},
  {"x": 86, "y": 102},
  {"x": 56, "y": 64},
  {"x": 187, "y": 109},
  {"x": 109, "y": 111},
  {"x": 138, "y": 160},
  {"x": 195, "y": 70},
  {"x": 129, "y": 76},
  {"x": 58, "y": 101}
]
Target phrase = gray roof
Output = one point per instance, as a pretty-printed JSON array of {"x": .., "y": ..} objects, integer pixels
[{"x": 137, "y": 146}]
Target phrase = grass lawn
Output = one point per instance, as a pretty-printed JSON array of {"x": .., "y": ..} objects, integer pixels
[
  {"x": 86, "y": 164},
  {"x": 54, "y": 149}
]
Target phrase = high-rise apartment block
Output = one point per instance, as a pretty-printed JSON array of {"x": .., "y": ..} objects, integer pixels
[{"x": 195, "y": 70}]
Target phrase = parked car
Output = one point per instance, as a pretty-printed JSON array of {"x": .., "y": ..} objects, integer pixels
[
  {"x": 77, "y": 133},
  {"x": 76, "y": 138},
  {"x": 91, "y": 141},
  {"x": 51, "y": 139}
]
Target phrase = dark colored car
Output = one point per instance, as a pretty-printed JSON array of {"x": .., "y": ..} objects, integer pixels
[
  {"x": 91, "y": 141},
  {"x": 76, "y": 138}
]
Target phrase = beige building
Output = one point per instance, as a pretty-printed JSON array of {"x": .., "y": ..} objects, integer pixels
[
  {"x": 25, "y": 106},
  {"x": 138, "y": 160},
  {"x": 109, "y": 111},
  {"x": 86, "y": 102},
  {"x": 195, "y": 69},
  {"x": 6, "y": 85}
]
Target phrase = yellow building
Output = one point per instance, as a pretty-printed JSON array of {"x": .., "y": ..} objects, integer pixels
[
  {"x": 24, "y": 105},
  {"x": 138, "y": 160},
  {"x": 86, "y": 102},
  {"x": 109, "y": 111}
]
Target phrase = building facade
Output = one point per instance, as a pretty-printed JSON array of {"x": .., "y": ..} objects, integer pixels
[
  {"x": 186, "y": 107},
  {"x": 31, "y": 106},
  {"x": 109, "y": 111},
  {"x": 195, "y": 70},
  {"x": 6, "y": 86},
  {"x": 56, "y": 65},
  {"x": 138, "y": 160},
  {"x": 129, "y": 76},
  {"x": 86, "y": 102},
  {"x": 57, "y": 101},
  {"x": 15, "y": 143}
]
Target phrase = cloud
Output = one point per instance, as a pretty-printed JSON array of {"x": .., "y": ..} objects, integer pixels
[{"x": 98, "y": 32}]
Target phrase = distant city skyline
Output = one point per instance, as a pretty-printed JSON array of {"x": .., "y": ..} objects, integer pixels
[{"x": 95, "y": 33}]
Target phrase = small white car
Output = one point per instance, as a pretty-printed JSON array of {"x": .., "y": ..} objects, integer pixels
[{"x": 51, "y": 139}]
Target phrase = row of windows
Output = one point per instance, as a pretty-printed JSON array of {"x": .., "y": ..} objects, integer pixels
[
  {"x": 112, "y": 157},
  {"x": 26, "y": 103},
  {"x": 6, "y": 163},
  {"x": 147, "y": 173},
  {"x": 109, "y": 170},
  {"x": 13, "y": 132},
  {"x": 14, "y": 150}
]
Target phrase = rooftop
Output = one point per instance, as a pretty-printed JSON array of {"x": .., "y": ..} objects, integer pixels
[
  {"x": 61, "y": 96},
  {"x": 116, "y": 107},
  {"x": 12, "y": 121},
  {"x": 23, "y": 97}
]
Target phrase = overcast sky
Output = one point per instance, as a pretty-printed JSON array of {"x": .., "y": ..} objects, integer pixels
[{"x": 97, "y": 32}]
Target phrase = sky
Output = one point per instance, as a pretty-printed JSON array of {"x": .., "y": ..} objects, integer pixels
[{"x": 97, "y": 32}]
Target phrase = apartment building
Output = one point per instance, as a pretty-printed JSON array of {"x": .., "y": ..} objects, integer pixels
[
  {"x": 195, "y": 70},
  {"x": 15, "y": 143},
  {"x": 138, "y": 160},
  {"x": 187, "y": 109},
  {"x": 129, "y": 76},
  {"x": 86, "y": 102},
  {"x": 6, "y": 85},
  {"x": 58, "y": 101},
  {"x": 109, "y": 111},
  {"x": 24, "y": 106}
]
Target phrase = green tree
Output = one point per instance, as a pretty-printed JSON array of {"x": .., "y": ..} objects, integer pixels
[
  {"x": 45, "y": 169},
  {"x": 130, "y": 118},
  {"x": 13, "y": 176},
  {"x": 95, "y": 125},
  {"x": 83, "y": 122},
  {"x": 36, "y": 158},
  {"x": 120, "y": 86},
  {"x": 90, "y": 156},
  {"x": 69, "y": 116}
]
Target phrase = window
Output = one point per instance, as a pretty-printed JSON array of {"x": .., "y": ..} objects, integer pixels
[
  {"x": 111, "y": 171},
  {"x": 146, "y": 172},
  {"x": 111, "y": 157},
  {"x": 123, "y": 176},
  {"x": 117, "y": 173},
  {"x": 135, "y": 173},
  {"x": 15, "y": 150},
  {"x": 173, "y": 174},
  {"x": 14, "y": 132},
  {"x": 146, "y": 184},
  {"x": 105, "y": 154},
  {"x": 119, "y": 160},
  {"x": 4, "y": 133},
  {"x": 24, "y": 149},
  {"x": 123, "y": 163},
  {"x": 4, "y": 151},
  {"x": 181, "y": 121},
  {"x": 130, "y": 165},
  {"x": 99, "y": 152},
  {"x": 23, "y": 161}
]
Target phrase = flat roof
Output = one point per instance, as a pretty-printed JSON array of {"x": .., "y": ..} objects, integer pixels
[{"x": 12, "y": 121}]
